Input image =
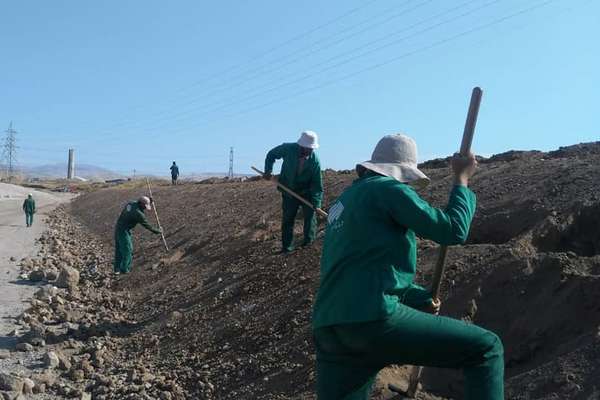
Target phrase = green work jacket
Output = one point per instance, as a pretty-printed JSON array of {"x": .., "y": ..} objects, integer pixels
[
  {"x": 29, "y": 206},
  {"x": 308, "y": 183},
  {"x": 369, "y": 253},
  {"x": 131, "y": 216}
]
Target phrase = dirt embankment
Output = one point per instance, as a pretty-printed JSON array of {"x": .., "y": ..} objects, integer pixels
[{"x": 231, "y": 318}]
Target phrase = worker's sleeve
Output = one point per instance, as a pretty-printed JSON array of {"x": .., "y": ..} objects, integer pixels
[
  {"x": 33, "y": 206},
  {"x": 316, "y": 187},
  {"x": 24, "y": 205},
  {"x": 446, "y": 227},
  {"x": 274, "y": 154},
  {"x": 144, "y": 222}
]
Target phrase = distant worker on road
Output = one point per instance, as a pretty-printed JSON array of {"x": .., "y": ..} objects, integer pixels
[
  {"x": 132, "y": 214},
  {"x": 301, "y": 172},
  {"x": 174, "y": 173},
  {"x": 369, "y": 313},
  {"x": 29, "y": 208}
]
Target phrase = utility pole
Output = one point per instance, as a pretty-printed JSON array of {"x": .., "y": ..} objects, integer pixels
[
  {"x": 71, "y": 165},
  {"x": 230, "y": 175},
  {"x": 9, "y": 151}
]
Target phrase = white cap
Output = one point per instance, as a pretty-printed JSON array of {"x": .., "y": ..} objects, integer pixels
[
  {"x": 145, "y": 201},
  {"x": 309, "y": 139},
  {"x": 396, "y": 156}
]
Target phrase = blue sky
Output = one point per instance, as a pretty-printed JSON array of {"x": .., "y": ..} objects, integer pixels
[{"x": 138, "y": 84}]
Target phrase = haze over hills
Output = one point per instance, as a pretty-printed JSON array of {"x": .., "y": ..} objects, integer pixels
[
  {"x": 59, "y": 170},
  {"x": 96, "y": 173}
]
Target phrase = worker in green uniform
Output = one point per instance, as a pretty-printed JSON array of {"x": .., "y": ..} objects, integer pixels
[
  {"x": 132, "y": 214},
  {"x": 369, "y": 313},
  {"x": 174, "y": 173},
  {"x": 29, "y": 209},
  {"x": 300, "y": 172}
]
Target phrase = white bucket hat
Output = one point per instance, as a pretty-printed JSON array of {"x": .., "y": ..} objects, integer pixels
[
  {"x": 309, "y": 139},
  {"x": 145, "y": 201},
  {"x": 396, "y": 156}
]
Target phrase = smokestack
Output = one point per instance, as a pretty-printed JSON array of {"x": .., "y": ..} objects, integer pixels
[{"x": 71, "y": 167}]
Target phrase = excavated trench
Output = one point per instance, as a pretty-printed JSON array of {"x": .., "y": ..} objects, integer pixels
[
  {"x": 528, "y": 298},
  {"x": 580, "y": 233}
]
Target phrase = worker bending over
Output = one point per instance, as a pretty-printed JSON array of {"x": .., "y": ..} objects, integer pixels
[
  {"x": 29, "y": 209},
  {"x": 300, "y": 172},
  {"x": 369, "y": 313},
  {"x": 132, "y": 214}
]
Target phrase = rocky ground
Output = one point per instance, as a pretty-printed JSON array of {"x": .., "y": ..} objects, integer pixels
[
  {"x": 224, "y": 316},
  {"x": 71, "y": 335}
]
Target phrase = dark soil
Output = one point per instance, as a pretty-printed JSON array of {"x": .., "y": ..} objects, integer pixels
[{"x": 231, "y": 317}]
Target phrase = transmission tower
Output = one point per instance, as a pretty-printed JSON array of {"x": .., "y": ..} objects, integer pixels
[
  {"x": 9, "y": 151},
  {"x": 230, "y": 174}
]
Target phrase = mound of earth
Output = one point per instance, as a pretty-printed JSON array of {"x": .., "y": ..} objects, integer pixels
[{"x": 230, "y": 318}]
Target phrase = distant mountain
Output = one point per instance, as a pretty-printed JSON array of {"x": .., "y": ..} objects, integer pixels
[{"x": 59, "y": 170}]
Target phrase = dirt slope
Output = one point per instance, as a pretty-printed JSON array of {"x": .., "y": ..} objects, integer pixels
[{"x": 231, "y": 317}]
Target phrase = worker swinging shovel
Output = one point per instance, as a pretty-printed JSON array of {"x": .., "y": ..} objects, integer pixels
[
  {"x": 301, "y": 199},
  {"x": 465, "y": 150},
  {"x": 369, "y": 313},
  {"x": 132, "y": 214},
  {"x": 301, "y": 184}
]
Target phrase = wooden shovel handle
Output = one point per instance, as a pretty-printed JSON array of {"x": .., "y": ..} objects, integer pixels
[
  {"x": 465, "y": 149},
  {"x": 295, "y": 195},
  {"x": 162, "y": 234},
  {"x": 440, "y": 265}
]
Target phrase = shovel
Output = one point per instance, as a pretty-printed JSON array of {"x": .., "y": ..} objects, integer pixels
[
  {"x": 465, "y": 149},
  {"x": 162, "y": 235},
  {"x": 297, "y": 196}
]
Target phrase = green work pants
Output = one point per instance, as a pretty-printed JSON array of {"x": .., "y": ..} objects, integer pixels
[
  {"x": 289, "y": 210},
  {"x": 28, "y": 219},
  {"x": 123, "y": 251},
  {"x": 349, "y": 356}
]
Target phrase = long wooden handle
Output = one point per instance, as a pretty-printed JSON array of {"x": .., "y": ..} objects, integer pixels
[
  {"x": 297, "y": 196},
  {"x": 440, "y": 265},
  {"x": 465, "y": 149},
  {"x": 162, "y": 235}
]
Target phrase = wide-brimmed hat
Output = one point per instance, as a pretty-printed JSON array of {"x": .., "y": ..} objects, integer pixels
[
  {"x": 309, "y": 139},
  {"x": 145, "y": 202},
  {"x": 396, "y": 156}
]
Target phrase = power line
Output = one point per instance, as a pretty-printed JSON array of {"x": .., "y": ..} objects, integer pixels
[
  {"x": 355, "y": 57},
  {"x": 243, "y": 78},
  {"x": 387, "y": 62},
  {"x": 260, "y": 55},
  {"x": 350, "y": 56}
]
